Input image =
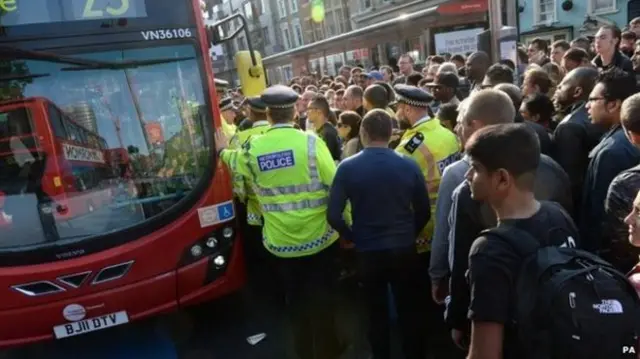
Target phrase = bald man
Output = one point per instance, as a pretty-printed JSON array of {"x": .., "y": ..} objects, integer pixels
[
  {"x": 477, "y": 65},
  {"x": 470, "y": 118},
  {"x": 353, "y": 97}
]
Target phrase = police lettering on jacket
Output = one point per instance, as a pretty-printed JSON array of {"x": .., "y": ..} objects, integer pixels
[{"x": 276, "y": 160}]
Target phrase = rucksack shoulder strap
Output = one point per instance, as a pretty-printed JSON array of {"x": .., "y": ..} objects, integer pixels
[
  {"x": 565, "y": 214},
  {"x": 521, "y": 241}
]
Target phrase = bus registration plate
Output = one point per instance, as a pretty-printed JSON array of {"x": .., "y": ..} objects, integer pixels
[{"x": 90, "y": 325}]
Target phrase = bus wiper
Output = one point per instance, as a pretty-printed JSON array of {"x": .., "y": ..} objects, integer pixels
[
  {"x": 7, "y": 78},
  {"x": 127, "y": 64},
  {"x": 12, "y": 53}
]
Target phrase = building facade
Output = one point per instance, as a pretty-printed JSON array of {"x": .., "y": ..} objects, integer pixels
[
  {"x": 264, "y": 36},
  {"x": 554, "y": 20}
]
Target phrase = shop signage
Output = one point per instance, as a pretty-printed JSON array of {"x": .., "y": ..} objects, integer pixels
[
  {"x": 463, "y": 7},
  {"x": 457, "y": 42}
]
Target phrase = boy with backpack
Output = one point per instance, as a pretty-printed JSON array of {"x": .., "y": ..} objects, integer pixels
[{"x": 533, "y": 295}]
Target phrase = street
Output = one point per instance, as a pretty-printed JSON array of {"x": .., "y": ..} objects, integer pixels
[{"x": 215, "y": 330}]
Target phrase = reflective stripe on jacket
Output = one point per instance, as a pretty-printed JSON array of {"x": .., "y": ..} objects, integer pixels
[
  {"x": 241, "y": 185},
  {"x": 290, "y": 172}
]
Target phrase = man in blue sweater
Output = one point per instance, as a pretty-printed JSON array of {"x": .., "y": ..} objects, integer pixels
[{"x": 390, "y": 206}]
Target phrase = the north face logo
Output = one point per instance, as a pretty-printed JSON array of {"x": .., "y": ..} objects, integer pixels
[{"x": 609, "y": 306}]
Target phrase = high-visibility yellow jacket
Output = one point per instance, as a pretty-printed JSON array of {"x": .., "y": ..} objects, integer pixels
[
  {"x": 241, "y": 185},
  {"x": 290, "y": 172},
  {"x": 229, "y": 130},
  {"x": 434, "y": 148}
]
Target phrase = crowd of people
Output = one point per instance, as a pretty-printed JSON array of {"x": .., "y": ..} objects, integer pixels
[{"x": 428, "y": 160}]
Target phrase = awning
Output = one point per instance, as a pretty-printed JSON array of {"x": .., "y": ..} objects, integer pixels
[{"x": 332, "y": 43}]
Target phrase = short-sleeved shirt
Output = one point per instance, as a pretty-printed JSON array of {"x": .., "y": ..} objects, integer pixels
[{"x": 493, "y": 268}]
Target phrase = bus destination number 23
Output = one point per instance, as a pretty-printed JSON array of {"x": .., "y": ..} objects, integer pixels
[
  {"x": 90, "y": 8},
  {"x": 166, "y": 34},
  {"x": 18, "y": 12}
]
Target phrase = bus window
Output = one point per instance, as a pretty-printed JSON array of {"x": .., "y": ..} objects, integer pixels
[
  {"x": 55, "y": 118},
  {"x": 15, "y": 123},
  {"x": 91, "y": 177},
  {"x": 82, "y": 135},
  {"x": 73, "y": 131},
  {"x": 92, "y": 141}
]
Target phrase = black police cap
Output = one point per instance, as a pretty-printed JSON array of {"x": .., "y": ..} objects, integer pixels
[
  {"x": 256, "y": 104},
  {"x": 279, "y": 96},
  {"x": 226, "y": 104},
  {"x": 412, "y": 95}
]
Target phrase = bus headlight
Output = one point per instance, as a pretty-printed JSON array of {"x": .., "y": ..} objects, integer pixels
[
  {"x": 219, "y": 261},
  {"x": 196, "y": 250},
  {"x": 227, "y": 232},
  {"x": 212, "y": 242},
  {"x": 216, "y": 245}
]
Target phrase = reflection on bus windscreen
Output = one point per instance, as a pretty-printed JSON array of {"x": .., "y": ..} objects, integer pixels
[{"x": 91, "y": 150}]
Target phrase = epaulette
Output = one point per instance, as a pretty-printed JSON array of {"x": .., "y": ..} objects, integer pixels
[
  {"x": 414, "y": 142},
  {"x": 247, "y": 144}
]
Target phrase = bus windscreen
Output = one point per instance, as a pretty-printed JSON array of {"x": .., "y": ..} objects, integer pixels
[{"x": 120, "y": 138}]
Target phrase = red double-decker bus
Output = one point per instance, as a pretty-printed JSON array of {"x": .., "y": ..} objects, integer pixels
[
  {"x": 65, "y": 160},
  {"x": 79, "y": 82}
]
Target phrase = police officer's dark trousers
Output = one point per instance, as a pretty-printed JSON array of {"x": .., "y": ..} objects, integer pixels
[
  {"x": 397, "y": 268},
  {"x": 309, "y": 283}
]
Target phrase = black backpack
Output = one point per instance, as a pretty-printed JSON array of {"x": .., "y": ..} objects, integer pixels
[{"x": 569, "y": 303}]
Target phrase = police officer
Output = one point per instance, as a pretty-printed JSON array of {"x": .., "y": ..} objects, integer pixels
[
  {"x": 428, "y": 142},
  {"x": 252, "y": 228},
  {"x": 256, "y": 123},
  {"x": 227, "y": 114},
  {"x": 291, "y": 171},
  {"x": 433, "y": 147},
  {"x": 222, "y": 87}
]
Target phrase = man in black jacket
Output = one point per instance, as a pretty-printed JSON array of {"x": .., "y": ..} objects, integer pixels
[
  {"x": 607, "y": 45},
  {"x": 575, "y": 136},
  {"x": 476, "y": 67},
  {"x": 611, "y": 156},
  {"x": 620, "y": 196}
]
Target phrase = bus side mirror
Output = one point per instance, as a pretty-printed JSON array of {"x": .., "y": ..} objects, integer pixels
[{"x": 215, "y": 34}]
